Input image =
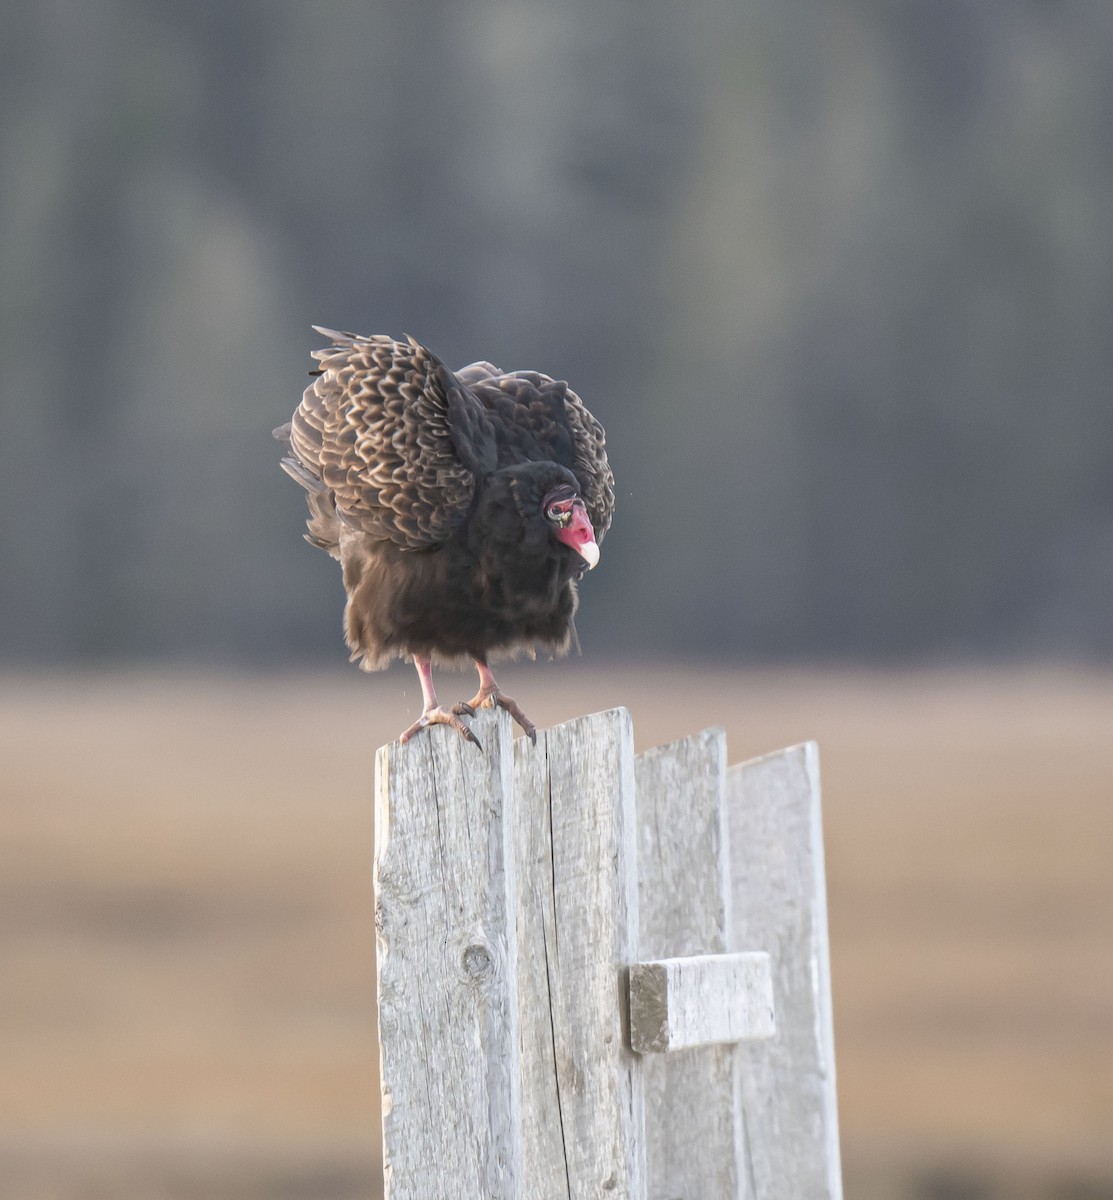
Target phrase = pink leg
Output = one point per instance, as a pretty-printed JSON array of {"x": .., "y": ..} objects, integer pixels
[
  {"x": 432, "y": 713},
  {"x": 425, "y": 676},
  {"x": 490, "y": 696}
]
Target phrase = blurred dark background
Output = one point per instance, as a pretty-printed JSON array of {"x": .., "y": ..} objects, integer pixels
[{"x": 837, "y": 280}]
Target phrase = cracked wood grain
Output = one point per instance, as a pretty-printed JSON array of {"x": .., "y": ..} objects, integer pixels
[{"x": 577, "y": 928}]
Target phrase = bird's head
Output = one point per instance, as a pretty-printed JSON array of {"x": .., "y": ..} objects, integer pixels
[
  {"x": 534, "y": 511},
  {"x": 569, "y": 522}
]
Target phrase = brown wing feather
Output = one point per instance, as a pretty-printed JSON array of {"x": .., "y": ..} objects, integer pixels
[{"x": 376, "y": 426}]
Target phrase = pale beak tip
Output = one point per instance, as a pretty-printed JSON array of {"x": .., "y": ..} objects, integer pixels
[{"x": 590, "y": 552}]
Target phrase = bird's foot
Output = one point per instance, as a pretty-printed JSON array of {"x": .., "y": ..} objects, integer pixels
[
  {"x": 493, "y": 697},
  {"x": 436, "y": 715}
]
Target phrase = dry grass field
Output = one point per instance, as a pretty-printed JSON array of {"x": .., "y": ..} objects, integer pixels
[{"x": 186, "y": 931}]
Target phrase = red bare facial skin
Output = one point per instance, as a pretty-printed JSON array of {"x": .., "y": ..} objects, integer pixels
[{"x": 579, "y": 534}]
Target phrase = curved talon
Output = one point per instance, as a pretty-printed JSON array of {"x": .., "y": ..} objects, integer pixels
[
  {"x": 494, "y": 698},
  {"x": 440, "y": 716}
]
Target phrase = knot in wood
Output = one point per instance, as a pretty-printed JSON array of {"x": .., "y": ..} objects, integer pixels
[{"x": 477, "y": 961}]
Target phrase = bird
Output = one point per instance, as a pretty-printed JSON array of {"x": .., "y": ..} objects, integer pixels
[{"x": 463, "y": 507}]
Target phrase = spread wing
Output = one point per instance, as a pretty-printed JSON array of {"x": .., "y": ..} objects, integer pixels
[
  {"x": 535, "y": 419},
  {"x": 394, "y": 436}
]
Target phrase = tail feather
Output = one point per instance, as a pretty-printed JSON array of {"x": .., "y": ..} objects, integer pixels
[
  {"x": 341, "y": 339},
  {"x": 324, "y": 521},
  {"x": 301, "y": 474}
]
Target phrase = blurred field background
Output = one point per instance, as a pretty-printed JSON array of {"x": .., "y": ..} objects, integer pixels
[
  {"x": 187, "y": 934},
  {"x": 837, "y": 280}
]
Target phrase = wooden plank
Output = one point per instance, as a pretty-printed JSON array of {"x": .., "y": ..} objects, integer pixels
[
  {"x": 693, "y": 1116},
  {"x": 582, "y": 1109},
  {"x": 780, "y": 905},
  {"x": 703, "y": 1000},
  {"x": 543, "y": 1137},
  {"x": 446, "y": 966}
]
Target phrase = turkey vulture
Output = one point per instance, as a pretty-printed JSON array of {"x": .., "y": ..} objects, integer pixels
[{"x": 462, "y": 507}]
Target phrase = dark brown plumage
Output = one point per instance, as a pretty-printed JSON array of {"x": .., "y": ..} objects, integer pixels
[{"x": 463, "y": 507}]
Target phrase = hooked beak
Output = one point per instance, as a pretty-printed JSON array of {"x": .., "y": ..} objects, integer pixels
[{"x": 579, "y": 534}]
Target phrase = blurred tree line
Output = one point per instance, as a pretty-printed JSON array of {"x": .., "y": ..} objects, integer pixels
[{"x": 838, "y": 279}]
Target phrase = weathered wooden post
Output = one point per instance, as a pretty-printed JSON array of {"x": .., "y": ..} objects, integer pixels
[
  {"x": 779, "y": 894},
  {"x": 446, "y": 953},
  {"x": 580, "y": 997}
]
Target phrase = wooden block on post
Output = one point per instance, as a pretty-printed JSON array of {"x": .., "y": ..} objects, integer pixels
[{"x": 704, "y": 1000}]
